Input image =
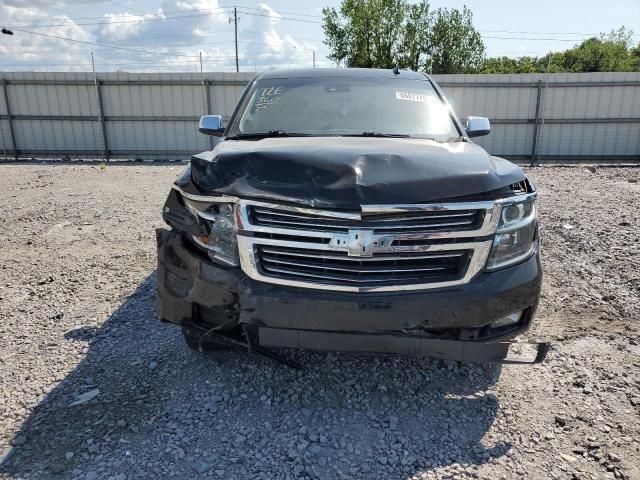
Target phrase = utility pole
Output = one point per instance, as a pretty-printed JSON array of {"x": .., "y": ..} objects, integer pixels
[
  {"x": 235, "y": 21},
  {"x": 544, "y": 104},
  {"x": 201, "y": 70},
  {"x": 93, "y": 64},
  {"x": 314, "y": 59}
]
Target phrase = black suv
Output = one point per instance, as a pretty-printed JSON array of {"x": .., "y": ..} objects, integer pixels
[{"x": 348, "y": 209}]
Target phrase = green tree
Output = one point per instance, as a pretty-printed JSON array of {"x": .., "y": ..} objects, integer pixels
[
  {"x": 635, "y": 58},
  {"x": 510, "y": 65},
  {"x": 456, "y": 46},
  {"x": 599, "y": 55},
  {"x": 610, "y": 52},
  {"x": 384, "y": 33},
  {"x": 366, "y": 33},
  {"x": 416, "y": 36}
]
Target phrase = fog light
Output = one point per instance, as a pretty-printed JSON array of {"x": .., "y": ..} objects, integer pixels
[{"x": 510, "y": 319}]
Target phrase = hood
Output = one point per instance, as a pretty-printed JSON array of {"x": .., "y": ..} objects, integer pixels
[{"x": 347, "y": 172}]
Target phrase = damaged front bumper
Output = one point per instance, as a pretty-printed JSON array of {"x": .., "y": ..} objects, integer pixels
[{"x": 452, "y": 323}]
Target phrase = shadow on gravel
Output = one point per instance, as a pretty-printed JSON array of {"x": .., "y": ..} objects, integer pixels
[{"x": 155, "y": 409}]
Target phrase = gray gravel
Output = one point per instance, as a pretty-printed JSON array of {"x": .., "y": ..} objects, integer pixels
[{"x": 92, "y": 386}]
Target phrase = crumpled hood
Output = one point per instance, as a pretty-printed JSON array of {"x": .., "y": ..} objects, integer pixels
[{"x": 347, "y": 172}]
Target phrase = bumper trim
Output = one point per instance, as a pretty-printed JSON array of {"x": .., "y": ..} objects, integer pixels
[
  {"x": 193, "y": 289},
  {"x": 475, "y": 352}
]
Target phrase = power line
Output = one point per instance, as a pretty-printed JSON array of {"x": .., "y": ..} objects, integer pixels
[
  {"x": 297, "y": 37},
  {"x": 281, "y": 17},
  {"x": 103, "y": 44},
  {"x": 538, "y": 39},
  {"x": 182, "y": 45},
  {"x": 127, "y": 6},
  {"x": 548, "y": 33},
  {"x": 286, "y": 13},
  {"x": 513, "y": 52},
  {"x": 44, "y": 62},
  {"x": 73, "y": 19},
  {"x": 288, "y": 47},
  {"x": 163, "y": 18},
  {"x": 155, "y": 65},
  {"x": 165, "y": 14},
  {"x": 208, "y": 58},
  {"x": 244, "y": 11},
  {"x": 164, "y": 37},
  {"x": 196, "y": 12},
  {"x": 488, "y": 31},
  {"x": 225, "y": 42}
]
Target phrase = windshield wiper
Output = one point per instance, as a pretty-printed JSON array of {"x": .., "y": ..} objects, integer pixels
[
  {"x": 376, "y": 134},
  {"x": 270, "y": 133}
]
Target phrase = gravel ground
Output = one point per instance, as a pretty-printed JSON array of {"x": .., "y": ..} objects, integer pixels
[{"x": 92, "y": 386}]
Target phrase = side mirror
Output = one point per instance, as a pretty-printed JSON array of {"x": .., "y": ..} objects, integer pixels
[
  {"x": 211, "y": 125},
  {"x": 477, "y": 126}
]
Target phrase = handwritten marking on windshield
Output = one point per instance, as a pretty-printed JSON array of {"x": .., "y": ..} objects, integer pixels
[{"x": 269, "y": 96}]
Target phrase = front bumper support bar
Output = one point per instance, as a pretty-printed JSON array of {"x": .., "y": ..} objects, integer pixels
[{"x": 475, "y": 352}]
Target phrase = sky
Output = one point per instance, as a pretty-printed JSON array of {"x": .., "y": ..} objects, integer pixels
[{"x": 170, "y": 35}]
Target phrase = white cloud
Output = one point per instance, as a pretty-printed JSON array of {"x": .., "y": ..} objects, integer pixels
[
  {"x": 122, "y": 26},
  {"x": 181, "y": 21},
  {"x": 179, "y": 28},
  {"x": 22, "y": 50},
  {"x": 47, "y": 3},
  {"x": 266, "y": 45}
]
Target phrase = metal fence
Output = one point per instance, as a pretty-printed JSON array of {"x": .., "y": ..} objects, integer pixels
[{"x": 555, "y": 117}]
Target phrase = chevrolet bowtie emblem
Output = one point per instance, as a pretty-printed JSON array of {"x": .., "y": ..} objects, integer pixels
[{"x": 360, "y": 243}]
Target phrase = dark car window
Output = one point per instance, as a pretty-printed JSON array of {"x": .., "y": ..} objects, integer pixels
[{"x": 346, "y": 106}]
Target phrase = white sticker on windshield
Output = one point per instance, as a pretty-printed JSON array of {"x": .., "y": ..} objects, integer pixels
[{"x": 413, "y": 97}]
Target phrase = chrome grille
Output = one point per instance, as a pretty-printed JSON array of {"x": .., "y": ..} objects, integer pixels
[
  {"x": 420, "y": 221},
  {"x": 340, "y": 269},
  {"x": 378, "y": 248}
]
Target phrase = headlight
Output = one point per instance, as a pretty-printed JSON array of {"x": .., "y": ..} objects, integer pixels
[
  {"x": 516, "y": 237},
  {"x": 219, "y": 224}
]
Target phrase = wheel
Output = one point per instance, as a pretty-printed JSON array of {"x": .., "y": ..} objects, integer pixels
[{"x": 192, "y": 338}]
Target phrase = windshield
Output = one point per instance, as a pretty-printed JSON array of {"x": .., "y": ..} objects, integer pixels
[{"x": 345, "y": 106}]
